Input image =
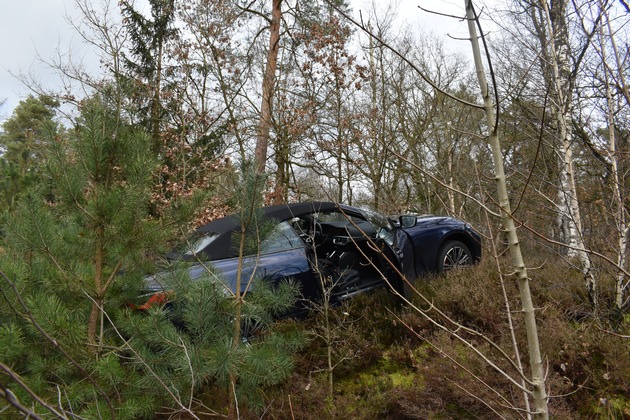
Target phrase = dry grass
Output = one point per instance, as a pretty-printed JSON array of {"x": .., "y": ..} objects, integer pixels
[{"x": 428, "y": 373}]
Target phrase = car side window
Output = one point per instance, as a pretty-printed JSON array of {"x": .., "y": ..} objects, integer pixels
[
  {"x": 283, "y": 238},
  {"x": 335, "y": 216}
]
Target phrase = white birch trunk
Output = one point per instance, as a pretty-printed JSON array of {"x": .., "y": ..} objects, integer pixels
[
  {"x": 621, "y": 220},
  {"x": 620, "y": 281},
  {"x": 569, "y": 216},
  {"x": 538, "y": 392},
  {"x": 451, "y": 179}
]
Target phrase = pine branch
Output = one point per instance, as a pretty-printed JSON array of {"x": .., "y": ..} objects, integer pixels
[
  {"x": 54, "y": 342},
  {"x": 9, "y": 397}
]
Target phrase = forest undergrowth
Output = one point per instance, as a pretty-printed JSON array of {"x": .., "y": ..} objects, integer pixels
[{"x": 395, "y": 364}]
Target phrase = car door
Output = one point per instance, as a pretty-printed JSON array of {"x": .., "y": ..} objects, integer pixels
[
  {"x": 404, "y": 250},
  {"x": 396, "y": 258},
  {"x": 282, "y": 257}
]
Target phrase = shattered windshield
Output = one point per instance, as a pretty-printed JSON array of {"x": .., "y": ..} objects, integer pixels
[
  {"x": 376, "y": 219},
  {"x": 383, "y": 226}
]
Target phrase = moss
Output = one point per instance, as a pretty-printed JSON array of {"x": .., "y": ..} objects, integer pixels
[
  {"x": 421, "y": 354},
  {"x": 620, "y": 407},
  {"x": 611, "y": 408},
  {"x": 402, "y": 380},
  {"x": 387, "y": 373},
  {"x": 397, "y": 375}
]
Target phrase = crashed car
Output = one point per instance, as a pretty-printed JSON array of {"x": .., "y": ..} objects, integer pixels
[{"x": 350, "y": 249}]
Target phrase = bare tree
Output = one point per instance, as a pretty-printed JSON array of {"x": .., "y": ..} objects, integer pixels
[
  {"x": 615, "y": 97},
  {"x": 539, "y": 392},
  {"x": 537, "y": 380},
  {"x": 559, "y": 63}
]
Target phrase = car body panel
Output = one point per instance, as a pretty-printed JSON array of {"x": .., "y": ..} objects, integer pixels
[
  {"x": 357, "y": 247},
  {"x": 431, "y": 232}
]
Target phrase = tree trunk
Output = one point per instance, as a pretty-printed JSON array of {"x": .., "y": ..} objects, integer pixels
[
  {"x": 451, "y": 181},
  {"x": 536, "y": 365},
  {"x": 97, "y": 303},
  {"x": 281, "y": 189},
  {"x": 233, "y": 411},
  {"x": 559, "y": 64},
  {"x": 621, "y": 220},
  {"x": 156, "y": 108},
  {"x": 269, "y": 79}
]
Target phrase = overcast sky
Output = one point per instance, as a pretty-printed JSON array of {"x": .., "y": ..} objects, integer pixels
[{"x": 29, "y": 28}]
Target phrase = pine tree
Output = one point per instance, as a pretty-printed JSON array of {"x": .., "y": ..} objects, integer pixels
[
  {"x": 22, "y": 142},
  {"x": 205, "y": 336},
  {"x": 147, "y": 56},
  {"x": 74, "y": 255}
]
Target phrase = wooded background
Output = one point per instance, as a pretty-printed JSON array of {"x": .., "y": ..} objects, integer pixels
[{"x": 322, "y": 103}]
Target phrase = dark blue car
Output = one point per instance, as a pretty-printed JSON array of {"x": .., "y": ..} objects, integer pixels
[{"x": 324, "y": 244}]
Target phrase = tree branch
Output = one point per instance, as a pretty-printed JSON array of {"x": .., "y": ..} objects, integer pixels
[{"x": 401, "y": 56}]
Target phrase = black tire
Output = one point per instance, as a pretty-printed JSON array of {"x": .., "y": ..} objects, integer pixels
[{"x": 453, "y": 254}]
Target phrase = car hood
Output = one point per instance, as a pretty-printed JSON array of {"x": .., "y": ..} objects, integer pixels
[{"x": 427, "y": 221}]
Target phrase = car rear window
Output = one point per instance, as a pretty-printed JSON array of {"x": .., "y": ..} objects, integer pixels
[{"x": 196, "y": 243}]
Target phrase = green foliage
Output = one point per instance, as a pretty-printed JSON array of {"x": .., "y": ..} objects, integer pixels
[
  {"x": 12, "y": 343},
  {"x": 75, "y": 244},
  {"x": 147, "y": 35},
  {"x": 23, "y": 142},
  {"x": 188, "y": 345},
  {"x": 212, "y": 336},
  {"x": 248, "y": 199},
  {"x": 148, "y": 39}
]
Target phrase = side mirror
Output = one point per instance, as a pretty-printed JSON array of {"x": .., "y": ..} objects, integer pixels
[{"x": 407, "y": 221}]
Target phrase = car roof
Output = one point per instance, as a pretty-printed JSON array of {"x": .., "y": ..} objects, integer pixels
[
  {"x": 222, "y": 248},
  {"x": 279, "y": 212}
]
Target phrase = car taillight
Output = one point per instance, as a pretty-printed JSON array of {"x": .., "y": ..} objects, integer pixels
[{"x": 157, "y": 299}]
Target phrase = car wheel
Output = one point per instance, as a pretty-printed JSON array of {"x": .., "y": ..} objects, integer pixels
[{"x": 453, "y": 254}]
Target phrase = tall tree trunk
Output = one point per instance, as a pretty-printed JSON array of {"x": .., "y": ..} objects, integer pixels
[
  {"x": 269, "y": 79},
  {"x": 621, "y": 218},
  {"x": 156, "y": 106},
  {"x": 536, "y": 365},
  {"x": 340, "y": 177},
  {"x": 281, "y": 192},
  {"x": 233, "y": 411},
  {"x": 569, "y": 216},
  {"x": 451, "y": 181}
]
